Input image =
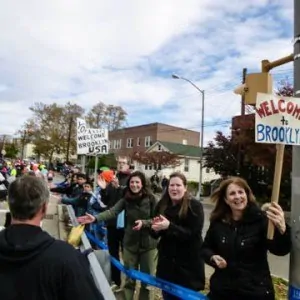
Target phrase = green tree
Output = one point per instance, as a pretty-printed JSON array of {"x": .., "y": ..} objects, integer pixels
[
  {"x": 11, "y": 150},
  {"x": 47, "y": 135},
  {"x": 26, "y": 135},
  {"x": 52, "y": 129},
  {"x": 221, "y": 155},
  {"x": 108, "y": 160}
]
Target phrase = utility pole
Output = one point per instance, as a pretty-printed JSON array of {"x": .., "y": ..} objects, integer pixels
[
  {"x": 69, "y": 138},
  {"x": 23, "y": 141},
  {"x": 243, "y": 105},
  {"x": 294, "y": 282},
  {"x": 238, "y": 130},
  {"x": 202, "y": 92}
]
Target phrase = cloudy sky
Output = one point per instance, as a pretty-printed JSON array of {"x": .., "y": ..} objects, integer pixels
[{"x": 124, "y": 52}]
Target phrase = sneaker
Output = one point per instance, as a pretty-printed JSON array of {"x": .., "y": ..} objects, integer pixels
[{"x": 115, "y": 288}]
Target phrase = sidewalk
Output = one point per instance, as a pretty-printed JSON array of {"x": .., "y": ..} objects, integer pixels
[
  {"x": 206, "y": 201},
  {"x": 50, "y": 223}
]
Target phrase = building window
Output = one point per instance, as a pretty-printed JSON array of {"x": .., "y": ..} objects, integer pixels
[
  {"x": 129, "y": 142},
  {"x": 138, "y": 142},
  {"x": 159, "y": 147},
  {"x": 186, "y": 165},
  {"x": 207, "y": 170},
  {"x": 118, "y": 144},
  {"x": 109, "y": 144},
  {"x": 147, "y": 141},
  {"x": 184, "y": 142}
]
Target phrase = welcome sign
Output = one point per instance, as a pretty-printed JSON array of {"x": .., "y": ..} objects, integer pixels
[
  {"x": 277, "y": 119},
  {"x": 91, "y": 141}
]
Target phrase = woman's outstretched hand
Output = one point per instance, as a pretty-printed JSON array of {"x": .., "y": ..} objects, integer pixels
[{"x": 87, "y": 219}]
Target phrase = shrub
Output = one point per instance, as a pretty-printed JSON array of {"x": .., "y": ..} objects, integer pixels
[{"x": 192, "y": 187}]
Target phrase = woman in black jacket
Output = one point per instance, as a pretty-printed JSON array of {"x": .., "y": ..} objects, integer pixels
[
  {"x": 236, "y": 243},
  {"x": 179, "y": 225}
]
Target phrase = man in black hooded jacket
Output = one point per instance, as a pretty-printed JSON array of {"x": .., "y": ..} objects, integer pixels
[{"x": 33, "y": 265}]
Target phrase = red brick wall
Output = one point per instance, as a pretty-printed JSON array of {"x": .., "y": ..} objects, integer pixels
[{"x": 173, "y": 134}]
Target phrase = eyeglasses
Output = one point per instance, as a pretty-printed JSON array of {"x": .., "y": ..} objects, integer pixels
[{"x": 122, "y": 162}]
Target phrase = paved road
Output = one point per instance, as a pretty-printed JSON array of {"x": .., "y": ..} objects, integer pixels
[{"x": 279, "y": 265}]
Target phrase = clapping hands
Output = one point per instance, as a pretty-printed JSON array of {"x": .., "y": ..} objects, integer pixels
[
  {"x": 138, "y": 225},
  {"x": 219, "y": 261},
  {"x": 160, "y": 223}
]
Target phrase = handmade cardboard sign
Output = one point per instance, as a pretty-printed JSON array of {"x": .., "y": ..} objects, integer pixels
[
  {"x": 277, "y": 120},
  {"x": 91, "y": 141}
]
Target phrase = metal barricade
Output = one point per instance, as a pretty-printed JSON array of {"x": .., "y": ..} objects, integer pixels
[{"x": 96, "y": 270}]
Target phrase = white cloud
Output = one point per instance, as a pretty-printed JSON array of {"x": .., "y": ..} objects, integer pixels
[{"x": 123, "y": 52}]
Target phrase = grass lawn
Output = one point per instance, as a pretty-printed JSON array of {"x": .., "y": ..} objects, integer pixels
[{"x": 280, "y": 285}]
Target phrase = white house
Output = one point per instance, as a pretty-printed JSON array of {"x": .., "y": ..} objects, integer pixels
[{"x": 189, "y": 157}]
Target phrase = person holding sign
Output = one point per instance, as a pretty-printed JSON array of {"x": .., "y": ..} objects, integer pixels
[{"x": 236, "y": 243}]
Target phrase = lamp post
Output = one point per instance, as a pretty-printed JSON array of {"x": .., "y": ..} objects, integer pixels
[{"x": 174, "y": 76}]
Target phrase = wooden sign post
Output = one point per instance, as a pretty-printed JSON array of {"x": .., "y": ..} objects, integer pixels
[{"x": 276, "y": 183}]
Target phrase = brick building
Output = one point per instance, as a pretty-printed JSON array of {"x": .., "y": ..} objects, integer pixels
[
  {"x": 240, "y": 123},
  {"x": 139, "y": 138}
]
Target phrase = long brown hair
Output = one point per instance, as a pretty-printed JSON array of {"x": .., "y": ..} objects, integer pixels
[
  {"x": 165, "y": 200},
  {"x": 222, "y": 210}
]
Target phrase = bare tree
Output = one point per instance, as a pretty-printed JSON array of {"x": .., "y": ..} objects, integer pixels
[
  {"x": 106, "y": 116},
  {"x": 96, "y": 117}
]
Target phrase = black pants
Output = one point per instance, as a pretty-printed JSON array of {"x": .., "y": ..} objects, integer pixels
[
  {"x": 3, "y": 195},
  {"x": 7, "y": 219},
  {"x": 114, "y": 242},
  {"x": 232, "y": 296},
  {"x": 167, "y": 296}
]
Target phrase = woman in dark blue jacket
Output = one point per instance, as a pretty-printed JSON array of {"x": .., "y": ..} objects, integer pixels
[{"x": 236, "y": 243}]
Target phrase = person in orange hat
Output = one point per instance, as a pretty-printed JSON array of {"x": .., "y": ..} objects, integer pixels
[{"x": 107, "y": 175}]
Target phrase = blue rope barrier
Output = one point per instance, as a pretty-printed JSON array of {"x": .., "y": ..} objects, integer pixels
[{"x": 169, "y": 287}]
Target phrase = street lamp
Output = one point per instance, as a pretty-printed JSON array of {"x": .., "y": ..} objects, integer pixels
[{"x": 174, "y": 76}]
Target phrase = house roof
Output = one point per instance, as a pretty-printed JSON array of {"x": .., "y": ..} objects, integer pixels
[{"x": 180, "y": 149}]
